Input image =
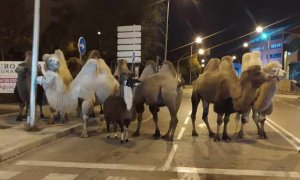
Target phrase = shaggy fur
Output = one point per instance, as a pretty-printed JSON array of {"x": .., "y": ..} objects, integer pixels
[
  {"x": 212, "y": 65},
  {"x": 226, "y": 91},
  {"x": 263, "y": 104},
  {"x": 121, "y": 68},
  {"x": 159, "y": 89},
  {"x": 89, "y": 85}
]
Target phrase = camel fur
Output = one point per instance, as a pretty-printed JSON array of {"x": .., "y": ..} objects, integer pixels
[
  {"x": 121, "y": 68},
  {"x": 22, "y": 88},
  {"x": 157, "y": 90},
  {"x": 92, "y": 84},
  {"x": 226, "y": 91},
  {"x": 148, "y": 70},
  {"x": 263, "y": 104}
]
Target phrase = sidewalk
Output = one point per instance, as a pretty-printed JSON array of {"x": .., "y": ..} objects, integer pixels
[{"x": 15, "y": 140}]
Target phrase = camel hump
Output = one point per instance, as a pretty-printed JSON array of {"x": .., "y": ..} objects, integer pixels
[{"x": 212, "y": 65}]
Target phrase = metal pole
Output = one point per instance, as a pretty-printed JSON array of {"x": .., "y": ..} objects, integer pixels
[
  {"x": 191, "y": 64},
  {"x": 35, "y": 52},
  {"x": 167, "y": 31}
]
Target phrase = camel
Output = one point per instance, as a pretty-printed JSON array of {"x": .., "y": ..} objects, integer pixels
[
  {"x": 74, "y": 65},
  {"x": 122, "y": 67},
  {"x": 94, "y": 83},
  {"x": 263, "y": 104},
  {"x": 226, "y": 91},
  {"x": 22, "y": 89},
  {"x": 148, "y": 70},
  {"x": 157, "y": 90}
]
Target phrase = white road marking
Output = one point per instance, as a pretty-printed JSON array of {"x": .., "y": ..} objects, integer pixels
[
  {"x": 56, "y": 176},
  {"x": 190, "y": 113},
  {"x": 292, "y": 105},
  {"x": 8, "y": 174},
  {"x": 115, "y": 178},
  {"x": 170, "y": 158},
  {"x": 186, "y": 120},
  {"x": 233, "y": 172},
  {"x": 202, "y": 125},
  {"x": 282, "y": 135},
  {"x": 181, "y": 133}
]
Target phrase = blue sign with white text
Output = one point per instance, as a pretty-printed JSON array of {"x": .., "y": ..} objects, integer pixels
[{"x": 81, "y": 45}]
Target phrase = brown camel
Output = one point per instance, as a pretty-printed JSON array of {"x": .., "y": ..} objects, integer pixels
[
  {"x": 157, "y": 90},
  {"x": 227, "y": 92}
]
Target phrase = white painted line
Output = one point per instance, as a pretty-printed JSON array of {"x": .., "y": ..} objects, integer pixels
[
  {"x": 202, "y": 125},
  {"x": 56, "y": 176},
  {"x": 233, "y": 172},
  {"x": 87, "y": 165},
  {"x": 190, "y": 113},
  {"x": 236, "y": 172},
  {"x": 290, "y": 104},
  {"x": 181, "y": 133},
  {"x": 8, "y": 174},
  {"x": 284, "y": 130},
  {"x": 116, "y": 178},
  {"x": 186, "y": 120},
  {"x": 170, "y": 158},
  {"x": 282, "y": 135}
]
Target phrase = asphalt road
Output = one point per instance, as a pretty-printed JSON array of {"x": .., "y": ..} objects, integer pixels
[{"x": 186, "y": 157}]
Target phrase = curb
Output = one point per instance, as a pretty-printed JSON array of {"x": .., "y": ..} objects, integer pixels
[{"x": 36, "y": 142}]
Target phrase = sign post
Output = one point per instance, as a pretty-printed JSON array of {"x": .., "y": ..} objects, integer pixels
[{"x": 81, "y": 46}]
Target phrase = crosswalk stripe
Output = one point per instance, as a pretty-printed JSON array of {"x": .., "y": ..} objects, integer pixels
[
  {"x": 56, "y": 176},
  {"x": 115, "y": 178},
  {"x": 8, "y": 174}
]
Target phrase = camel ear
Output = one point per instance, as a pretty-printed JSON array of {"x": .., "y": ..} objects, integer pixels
[{"x": 46, "y": 57}]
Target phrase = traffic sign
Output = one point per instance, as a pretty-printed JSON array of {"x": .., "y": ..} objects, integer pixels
[{"x": 81, "y": 45}]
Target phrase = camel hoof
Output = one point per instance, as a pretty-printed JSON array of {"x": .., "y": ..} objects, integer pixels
[
  {"x": 217, "y": 138},
  {"x": 126, "y": 140},
  {"x": 165, "y": 136},
  {"x": 226, "y": 138},
  {"x": 264, "y": 136},
  {"x": 101, "y": 112},
  {"x": 121, "y": 141},
  {"x": 241, "y": 134},
  {"x": 19, "y": 118},
  {"x": 108, "y": 137},
  {"x": 84, "y": 135},
  {"x": 92, "y": 115},
  {"x": 194, "y": 133},
  {"x": 116, "y": 137},
  {"x": 211, "y": 134},
  {"x": 136, "y": 134},
  {"x": 156, "y": 135}
]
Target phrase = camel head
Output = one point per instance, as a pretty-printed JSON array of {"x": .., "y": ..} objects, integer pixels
[
  {"x": 254, "y": 75},
  {"x": 52, "y": 62},
  {"x": 274, "y": 70},
  {"x": 22, "y": 69},
  {"x": 95, "y": 54},
  {"x": 168, "y": 67}
]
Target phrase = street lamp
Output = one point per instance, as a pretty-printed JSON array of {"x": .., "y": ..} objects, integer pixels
[
  {"x": 245, "y": 44},
  {"x": 233, "y": 57},
  {"x": 167, "y": 30},
  {"x": 99, "y": 35},
  {"x": 203, "y": 61},
  {"x": 201, "y": 51},
  {"x": 198, "y": 40},
  {"x": 259, "y": 29}
]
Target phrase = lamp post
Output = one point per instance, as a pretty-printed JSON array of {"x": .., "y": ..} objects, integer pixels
[
  {"x": 167, "y": 31},
  {"x": 198, "y": 40},
  {"x": 99, "y": 35}
]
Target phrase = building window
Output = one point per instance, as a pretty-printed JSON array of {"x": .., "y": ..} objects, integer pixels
[
  {"x": 276, "y": 45},
  {"x": 276, "y": 55}
]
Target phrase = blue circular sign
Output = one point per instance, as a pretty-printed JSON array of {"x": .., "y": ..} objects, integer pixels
[{"x": 81, "y": 45}]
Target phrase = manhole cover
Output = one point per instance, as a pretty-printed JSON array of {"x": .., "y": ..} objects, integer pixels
[{"x": 4, "y": 127}]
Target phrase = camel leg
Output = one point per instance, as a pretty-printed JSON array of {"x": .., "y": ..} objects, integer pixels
[
  {"x": 244, "y": 119},
  {"x": 26, "y": 109},
  {"x": 261, "y": 118},
  {"x": 237, "y": 120},
  {"x": 126, "y": 133},
  {"x": 21, "y": 107},
  {"x": 62, "y": 117},
  {"x": 195, "y": 102},
  {"x": 101, "y": 109},
  {"x": 154, "y": 111},
  {"x": 84, "y": 133},
  {"x": 99, "y": 122},
  {"x": 219, "y": 123},
  {"x": 173, "y": 124},
  {"x": 122, "y": 132},
  {"x": 116, "y": 135},
  {"x": 226, "y": 120},
  {"x": 137, "y": 132},
  {"x": 41, "y": 111},
  {"x": 107, "y": 128},
  {"x": 205, "y": 105},
  {"x": 51, "y": 118}
]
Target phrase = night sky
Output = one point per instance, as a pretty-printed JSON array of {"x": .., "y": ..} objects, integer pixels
[{"x": 189, "y": 18}]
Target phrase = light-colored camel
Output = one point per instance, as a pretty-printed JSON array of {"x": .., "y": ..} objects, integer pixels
[
  {"x": 226, "y": 91},
  {"x": 157, "y": 90},
  {"x": 121, "y": 68},
  {"x": 148, "y": 70},
  {"x": 94, "y": 83},
  {"x": 263, "y": 104}
]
